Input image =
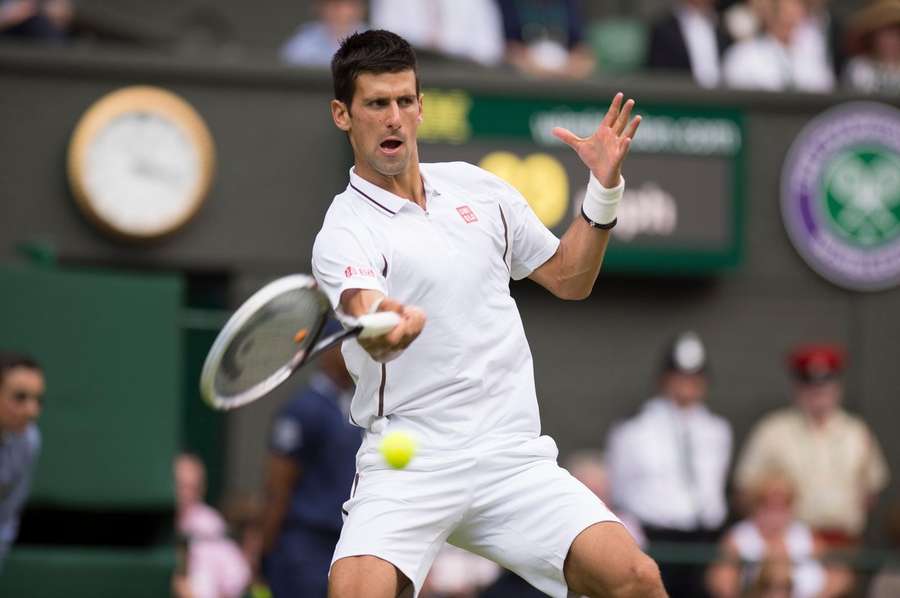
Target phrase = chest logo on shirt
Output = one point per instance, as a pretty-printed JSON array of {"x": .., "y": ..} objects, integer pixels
[{"x": 467, "y": 214}]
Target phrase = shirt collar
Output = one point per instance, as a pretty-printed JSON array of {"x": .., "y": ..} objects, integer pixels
[
  {"x": 384, "y": 200},
  {"x": 381, "y": 199}
]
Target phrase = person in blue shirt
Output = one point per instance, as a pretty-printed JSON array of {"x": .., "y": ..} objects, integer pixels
[
  {"x": 311, "y": 468},
  {"x": 21, "y": 393}
]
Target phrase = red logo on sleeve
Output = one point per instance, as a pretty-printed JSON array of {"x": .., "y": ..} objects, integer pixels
[
  {"x": 467, "y": 214},
  {"x": 350, "y": 272}
]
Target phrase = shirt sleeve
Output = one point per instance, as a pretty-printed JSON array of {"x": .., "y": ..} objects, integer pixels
[
  {"x": 345, "y": 257},
  {"x": 877, "y": 473},
  {"x": 754, "y": 459},
  {"x": 293, "y": 433},
  {"x": 531, "y": 243}
]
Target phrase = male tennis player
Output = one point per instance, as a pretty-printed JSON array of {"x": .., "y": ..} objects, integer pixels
[{"x": 442, "y": 241}]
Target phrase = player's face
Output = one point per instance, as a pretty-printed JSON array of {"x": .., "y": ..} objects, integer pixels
[
  {"x": 21, "y": 393},
  {"x": 382, "y": 122}
]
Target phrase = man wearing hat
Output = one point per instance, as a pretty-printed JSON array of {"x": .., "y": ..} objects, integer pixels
[
  {"x": 832, "y": 457},
  {"x": 668, "y": 464},
  {"x": 311, "y": 468},
  {"x": 873, "y": 38}
]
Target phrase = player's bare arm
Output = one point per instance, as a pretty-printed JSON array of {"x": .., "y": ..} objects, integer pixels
[
  {"x": 356, "y": 302},
  {"x": 573, "y": 269}
]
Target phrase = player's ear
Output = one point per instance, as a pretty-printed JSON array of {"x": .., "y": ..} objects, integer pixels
[
  {"x": 340, "y": 114},
  {"x": 421, "y": 107}
]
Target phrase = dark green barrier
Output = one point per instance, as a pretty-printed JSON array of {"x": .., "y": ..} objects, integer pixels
[
  {"x": 112, "y": 351},
  {"x": 83, "y": 572}
]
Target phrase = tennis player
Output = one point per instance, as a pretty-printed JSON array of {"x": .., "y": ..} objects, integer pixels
[{"x": 438, "y": 243}]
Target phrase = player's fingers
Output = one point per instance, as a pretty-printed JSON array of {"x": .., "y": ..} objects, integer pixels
[
  {"x": 622, "y": 120},
  {"x": 633, "y": 127},
  {"x": 613, "y": 111},
  {"x": 388, "y": 304},
  {"x": 566, "y": 136}
]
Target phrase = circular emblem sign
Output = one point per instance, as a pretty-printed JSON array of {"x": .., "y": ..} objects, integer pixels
[{"x": 840, "y": 195}]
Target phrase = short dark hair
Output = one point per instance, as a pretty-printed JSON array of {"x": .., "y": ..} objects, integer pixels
[
  {"x": 375, "y": 51},
  {"x": 10, "y": 360}
]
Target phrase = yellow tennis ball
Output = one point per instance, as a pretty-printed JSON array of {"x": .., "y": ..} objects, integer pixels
[{"x": 398, "y": 449}]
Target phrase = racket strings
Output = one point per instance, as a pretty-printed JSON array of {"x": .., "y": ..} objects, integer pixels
[{"x": 267, "y": 342}]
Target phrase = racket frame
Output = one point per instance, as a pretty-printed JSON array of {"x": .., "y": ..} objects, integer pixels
[{"x": 235, "y": 325}]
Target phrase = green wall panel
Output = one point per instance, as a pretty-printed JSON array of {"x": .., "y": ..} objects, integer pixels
[
  {"x": 112, "y": 349},
  {"x": 80, "y": 572}
]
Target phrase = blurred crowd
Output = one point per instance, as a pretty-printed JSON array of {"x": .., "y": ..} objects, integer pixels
[
  {"x": 787, "y": 516},
  {"x": 775, "y": 45},
  {"x": 770, "y": 45}
]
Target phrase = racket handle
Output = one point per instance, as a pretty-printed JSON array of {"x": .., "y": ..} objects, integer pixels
[{"x": 377, "y": 324}]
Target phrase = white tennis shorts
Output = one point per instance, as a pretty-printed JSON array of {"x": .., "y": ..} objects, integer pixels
[{"x": 516, "y": 507}]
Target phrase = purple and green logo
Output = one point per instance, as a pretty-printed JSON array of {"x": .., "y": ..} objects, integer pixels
[{"x": 840, "y": 195}]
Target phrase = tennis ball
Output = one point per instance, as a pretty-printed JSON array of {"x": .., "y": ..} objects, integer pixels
[{"x": 398, "y": 449}]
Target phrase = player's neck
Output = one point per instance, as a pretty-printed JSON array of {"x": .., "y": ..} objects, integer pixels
[{"x": 407, "y": 184}]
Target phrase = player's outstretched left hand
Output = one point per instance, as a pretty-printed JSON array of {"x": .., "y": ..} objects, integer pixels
[{"x": 605, "y": 150}]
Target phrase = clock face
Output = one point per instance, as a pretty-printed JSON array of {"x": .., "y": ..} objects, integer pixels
[
  {"x": 140, "y": 162},
  {"x": 142, "y": 172}
]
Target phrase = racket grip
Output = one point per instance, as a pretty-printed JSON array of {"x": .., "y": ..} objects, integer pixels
[{"x": 377, "y": 324}]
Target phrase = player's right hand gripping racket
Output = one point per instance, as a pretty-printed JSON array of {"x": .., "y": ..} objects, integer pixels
[{"x": 275, "y": 332}]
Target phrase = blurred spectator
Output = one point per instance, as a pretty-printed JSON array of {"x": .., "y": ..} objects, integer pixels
[
  {"x": 244, "y": 518},
  {"x": 887, "y": 582},
  {"x": 545, "y": 38},
  {"x": 789, "y": 55},
  {"x": 458, "y": 573},
  {"x": 21, "y": 393},
  {"x": 588, "y": 467},
  {"x": 874, "y": 40},
  {"x": 311, "y": 470},
  {"x": 774, "y": 581},
  {"x": 469, "y": 29},
  {"x": 690, "y": 39},
  {"x": 668, "y": 464},
  {"x": 44, "y": 19},
  {"x": 315, "y": 43},
  {"x": 833, "y": 459},
  {"x": 771, "y": 535},
  {"x": 215, "y": 566}
]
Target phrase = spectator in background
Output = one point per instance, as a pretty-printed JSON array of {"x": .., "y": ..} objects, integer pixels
[
  {"x": 458, "y": 573},
  {"x": 771, "y": 534},
  {"x": 467, "y": 29},
  {"x": 589, "y": 468},
  {"x": 545, "y": 38},
  {"x": 774, "y": 581},
  {"x": 788, "y": 55},
  {"x": 43, "y": 19},
  {"x": 831, "y": 456},
  {"x": 311, "y": 469},
  {"x": 668, "y": 464},
  {"x": 215, "y": 566},
  {"x": 874, "y": 42},
  {"x": 315, "y": 43},
  {"x": 887, "y": 582},
  {"x": 21, "y": 392},
  {"x": 690, "y": 39}
]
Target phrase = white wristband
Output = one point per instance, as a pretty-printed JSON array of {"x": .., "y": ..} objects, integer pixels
[{"x": 600, "y": 204}]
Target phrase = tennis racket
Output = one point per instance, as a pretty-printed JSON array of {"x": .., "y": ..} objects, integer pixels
[{"x": 274, "y": 333}]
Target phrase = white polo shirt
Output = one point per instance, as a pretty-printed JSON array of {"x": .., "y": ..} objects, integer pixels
[{"x": 468, "y": 377}]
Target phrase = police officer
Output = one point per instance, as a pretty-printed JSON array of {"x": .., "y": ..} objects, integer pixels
[{"x": 311, "y": 466}]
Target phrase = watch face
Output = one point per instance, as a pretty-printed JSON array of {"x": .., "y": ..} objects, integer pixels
[
  {"x": 140, "y": 162},
  {"x": 142, "y": 173}
]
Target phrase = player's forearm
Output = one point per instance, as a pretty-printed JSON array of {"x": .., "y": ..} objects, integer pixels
[{"x": 578, "y": 260}]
